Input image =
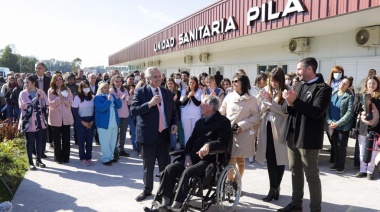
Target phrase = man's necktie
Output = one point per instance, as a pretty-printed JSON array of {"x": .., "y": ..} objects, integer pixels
[{"x": 161, "y": 118}]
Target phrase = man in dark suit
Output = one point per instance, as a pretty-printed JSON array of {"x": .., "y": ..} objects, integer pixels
[
  {"x": 43, "y": 83},
  {"x": 218, "y": 78},
  {"x": 156, "y": 117},
  {"x": 306, "y": 106}
]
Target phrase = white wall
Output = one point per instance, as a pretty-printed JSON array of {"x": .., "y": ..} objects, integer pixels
[{"x": 337, "y": 49}]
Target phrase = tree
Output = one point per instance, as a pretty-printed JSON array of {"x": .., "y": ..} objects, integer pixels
[
  {"x": 10, "y": 60},
  {"x": 76, "y": 64},
  {"x": 27, "y": 64}
]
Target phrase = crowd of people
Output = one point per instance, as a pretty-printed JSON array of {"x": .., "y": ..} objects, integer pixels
[{"x": 277, "y": 118}]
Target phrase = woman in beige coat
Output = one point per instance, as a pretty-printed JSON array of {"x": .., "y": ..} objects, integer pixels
[
  {"x": 272, "y": 133},
  {"x": 242, "y": 110}
]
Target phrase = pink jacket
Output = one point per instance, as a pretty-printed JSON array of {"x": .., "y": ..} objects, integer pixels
[
  {"x": 24, "y": 100},
  {"x": 60, "y": 109},
  {"x": 123, "y": 111}
]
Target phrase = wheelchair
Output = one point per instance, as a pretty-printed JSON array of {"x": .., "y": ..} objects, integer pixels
[{"x": 212, "y": 188}]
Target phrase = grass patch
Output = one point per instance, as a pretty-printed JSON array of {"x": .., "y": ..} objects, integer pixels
[{"x": 13, "y": 166}]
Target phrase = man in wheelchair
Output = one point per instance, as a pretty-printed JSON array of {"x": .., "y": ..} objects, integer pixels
[{"x": 211, "y": 132}]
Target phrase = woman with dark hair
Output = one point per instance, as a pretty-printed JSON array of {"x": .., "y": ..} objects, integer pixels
[
  {"x": 288, "y": 79},
  {"x": 116, "y": 87},
  {"x": 14, "y": 98},
  {"x": 83, "y": 110},
  {"x": 336, "y": 76},
  {"x": 372, "y": 87},
  {"x": 242, "y": 110},
  {"x": 202, "y": 80},
  {"x": 260, "y": 82},
  {"x": 190, "y": 111},
  {"x": 272, "y": 145},
  {"x": 60, "y": 117},
  {"x": 172, "y": 86},
  {"x": 225, "y": 84},
  {"x": 339, "y": 117},
  {"x": 32, "y": 102},
  {"x": 11, "y": 84}
]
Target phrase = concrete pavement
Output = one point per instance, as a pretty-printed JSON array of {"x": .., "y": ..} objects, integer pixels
[{"x": 73, "y": 187}]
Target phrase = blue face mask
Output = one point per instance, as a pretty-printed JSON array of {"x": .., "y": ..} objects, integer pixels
[{"x": 337, "y": 76}]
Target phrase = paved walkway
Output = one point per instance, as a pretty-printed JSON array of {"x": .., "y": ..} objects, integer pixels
[{"x": 73, "y": 187}]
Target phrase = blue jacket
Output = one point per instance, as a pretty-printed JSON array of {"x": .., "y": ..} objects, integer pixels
[
  {"x": 102, "y": 111},
  {"x": 346, "y": 111}
]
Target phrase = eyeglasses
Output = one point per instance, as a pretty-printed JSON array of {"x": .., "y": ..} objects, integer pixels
[{"x": 235, "y": 81}]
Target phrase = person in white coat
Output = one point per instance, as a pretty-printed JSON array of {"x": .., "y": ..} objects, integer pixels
[
  {"x": 272, "y": 138},
  {"x": 241, "y": 108}
]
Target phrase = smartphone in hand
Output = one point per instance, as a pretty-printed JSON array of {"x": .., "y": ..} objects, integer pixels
[{"x": 367, "y": 106}]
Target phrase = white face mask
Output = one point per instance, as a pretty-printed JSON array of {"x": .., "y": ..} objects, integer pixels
[
  {"x": 137, "y": 78},
  {"x": 288, "y": 82},
  {"x": 86, "y": 90},
  {"x": 337, "y": 76},
  {"x": 177, "y": 81},
  {"x": 78, "y": 83}
]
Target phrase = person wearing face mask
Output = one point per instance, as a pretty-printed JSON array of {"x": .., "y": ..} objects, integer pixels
[
  {"x": 178, "y": 81},
  {"x": 137, "y": 76},
  {"x": 83, "y": 111},
  {"x": 336, "y": 74},
  {"x": 335, "y": 78},
  {"x": 288, "y": 79}
]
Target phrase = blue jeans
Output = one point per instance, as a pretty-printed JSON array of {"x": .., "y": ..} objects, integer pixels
[
  {"x": 34, "y": 139},
  {"x": 85, "y": 137},
  {"x": 132, "y": 129}
]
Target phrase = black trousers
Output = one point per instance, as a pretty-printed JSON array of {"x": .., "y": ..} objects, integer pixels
[
  {"x": 340, "y": 140},
  {"x": 275, "y": 172},
  {"x": 61, "y": 137},
  {"x": 158, "y": 150},
  {"x": 177, "y": 170}
]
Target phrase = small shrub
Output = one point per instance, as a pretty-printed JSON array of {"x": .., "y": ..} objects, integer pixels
[
  {"x": 13, "y": 166},
  {"x": 8, "y": 131}
]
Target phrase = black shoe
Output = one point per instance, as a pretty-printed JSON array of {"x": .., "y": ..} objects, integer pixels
[
  {"x": 182, "y": 147},
  {"x": 277, "y": 194},
  {"x": 360, "y": 175},
  {"x": 116, "y": 156},
  {"x": 290, "y": 208},
  {"x": 271, "y": 195},
  {"x": 40, "y": 164},
  {"x": 334, "y": 168},
  {"x": 143, "y": 196},
  {"x": 43, "y": 155},
  {"x": 146, "y": 209},
  {"x": 32, "y": 167},
  {"x": 172, "y": 149},
  {"x": 340, "y": 170},
  {"x": 109, "y": 163},
  {"x": 66, "y": 161},
  {"x": 370, "y": 177},
  {"x": 114, "y": 160},
  {"x": 124, "y": 154}
]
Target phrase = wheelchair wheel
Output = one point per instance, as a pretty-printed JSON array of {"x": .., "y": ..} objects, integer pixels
[{"x": 228, "y": 192}]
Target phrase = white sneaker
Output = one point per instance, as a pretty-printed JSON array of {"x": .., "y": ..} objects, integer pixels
[{"x": 251, "y": 160}]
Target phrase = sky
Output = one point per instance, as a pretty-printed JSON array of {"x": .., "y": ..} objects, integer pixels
[{"x": 89, "y": 29}]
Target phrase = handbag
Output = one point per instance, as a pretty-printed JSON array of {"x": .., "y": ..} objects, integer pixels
[{"x": 355, "y": 131}]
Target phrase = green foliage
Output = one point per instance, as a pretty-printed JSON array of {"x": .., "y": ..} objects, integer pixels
[
  {"x": 27, "y": 64},
  {"x": 13, "y": 166},
  {"x": 76, "y": 64},
  {"x": 58, "y": 65},
  {"x": 10, "y": 60}
]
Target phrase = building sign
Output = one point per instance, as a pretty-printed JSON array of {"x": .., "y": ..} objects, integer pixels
[
  {"x": 165, "y": 44},
  {"x": 217, "y": 27},
  {"x": 267, "y": 12}
]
